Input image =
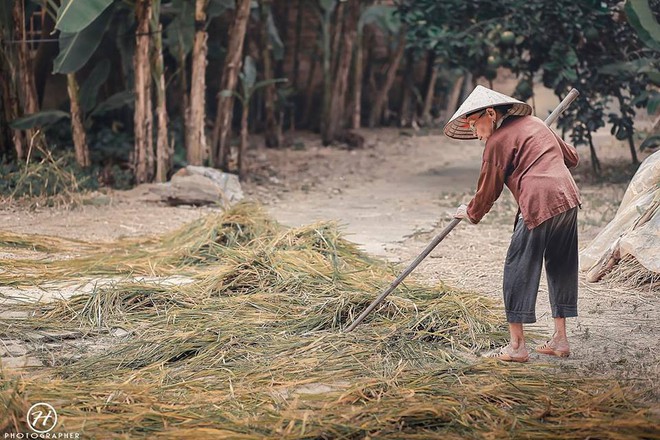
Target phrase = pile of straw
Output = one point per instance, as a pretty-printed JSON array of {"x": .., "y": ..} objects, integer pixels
[
  {"x": 630, "y": 272},
  {"x": 252, "y": 347},
  {"x": 45, "y": 180}
]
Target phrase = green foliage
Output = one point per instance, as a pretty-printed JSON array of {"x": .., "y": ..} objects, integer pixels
[
  {"x": 650, "y": 142},
  {"x": 641, "y": 18},
  {"x": 54, "y": 178},
  {"x": 248, "y": 76},
  {"x": 180, "y": 32},
  {"x": 43, "y": 118},
  {"x": 90, "y": 88},
  {"x": 586, "y": 44},
  {"x": 76, "y": 48},
  {"x": 75, "y": 15},
  {"x": 114, "y": 102},
  {"x": 384, "y": 16},
  {"x": 5, "y": 19},
  {"x": 218, "y": 7},
  {"x": 47, "y": 118},
  {"x": 249, "y": 83},
  {"x": 274, "y": 36}
]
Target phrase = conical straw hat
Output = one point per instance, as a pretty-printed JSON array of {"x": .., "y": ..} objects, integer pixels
[{"x": 481, "y": 98}]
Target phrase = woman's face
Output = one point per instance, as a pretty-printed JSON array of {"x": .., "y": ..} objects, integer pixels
[{"x": 482, "y": 123}]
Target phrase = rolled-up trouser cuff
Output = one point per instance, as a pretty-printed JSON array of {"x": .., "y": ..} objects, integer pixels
[
  {"x": 564, "y": 311},
  {"x": 520, "y": 317}
]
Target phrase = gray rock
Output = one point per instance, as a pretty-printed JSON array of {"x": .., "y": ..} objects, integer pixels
[{"x": 200, "y": 186}]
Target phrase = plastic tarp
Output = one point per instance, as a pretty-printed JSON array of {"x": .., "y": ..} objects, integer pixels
[{"x": 635, "y": 229}]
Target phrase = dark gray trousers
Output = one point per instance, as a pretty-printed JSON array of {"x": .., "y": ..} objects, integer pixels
[{"x": 556, "y": 241}]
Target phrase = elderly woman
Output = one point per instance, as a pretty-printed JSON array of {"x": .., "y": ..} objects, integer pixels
[{"x": 522, "y": 153}]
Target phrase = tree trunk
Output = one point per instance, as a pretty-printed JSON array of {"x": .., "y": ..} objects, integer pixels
[
  {"x": 633, "y": 153},
  {"x": 197, "y": 150},
  {"x": 430, "y": 95},
  {"x": 43, "y": 60},
  {"x": 281, "y": 17},
  {"x": 468, "y": 86},
  {"x": 453, "y": 98},
  {"x": 336, "y": 32},
  {"x": 296, "y": 47},
  {"x": 358, "y": 79},
  {"x": 185, "y": 101},
  {"x": 79, "y": 137},
  {"x": 273, "y": 134},
  {"x": 326, "y": 38},
  {"x": 340, "y": 87},
  {"x": 143, "y": 117},
  {"x": 27, "y": 90},
  {"x": 163, "y": 149},
  {"x": 407, "y": 116},
  {"x": 309, "y": 91},
  {"x": 220, "y": 140},
  {"x": 244, "y": 140},
  {"x": 377, "y": 109},
  {"x": 631, "y": 142},
  {"x": 10, "y": 104},
  {"x": 595, "y": 163},
  {"x": 429, "y": 87},
  {"x": 8, "y": 97}
]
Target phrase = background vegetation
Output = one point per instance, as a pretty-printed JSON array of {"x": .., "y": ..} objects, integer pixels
[{"x": 152, "y": 85}]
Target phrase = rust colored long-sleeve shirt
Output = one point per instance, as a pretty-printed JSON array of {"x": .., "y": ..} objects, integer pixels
[{"x": 532, "y": 161}]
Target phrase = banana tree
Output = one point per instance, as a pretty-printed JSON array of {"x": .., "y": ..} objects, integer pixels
[
  {"x": 272, "y": 48},
  {"x": 249, "y": 85},
  {"x": 183, "y": 36},
  {"x": 164, "y": 152},
  {"x": 325, "y": 10},
  {"x": 220, "y": 139},
  {"x": 18, "y": 84},
  {"x": 90, "y": 108},
  {"x": 81, "y": 25},
  {"x": 11, "y": 140}
]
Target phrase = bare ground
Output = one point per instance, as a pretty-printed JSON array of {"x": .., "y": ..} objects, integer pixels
[{"x": 392, "y": 197}]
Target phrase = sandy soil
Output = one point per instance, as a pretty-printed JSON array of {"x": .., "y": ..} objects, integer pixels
[{"x": 392, "y": 197}]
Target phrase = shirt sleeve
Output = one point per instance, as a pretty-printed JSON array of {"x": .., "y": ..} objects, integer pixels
[
  {"x": 571, "y": 158},
  {"x": 489, "y": 188}
]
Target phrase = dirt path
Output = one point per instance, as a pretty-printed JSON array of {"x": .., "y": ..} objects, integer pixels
[{"x": 392, "y": 197}]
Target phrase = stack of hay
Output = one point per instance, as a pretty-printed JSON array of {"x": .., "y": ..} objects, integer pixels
[{"x": 250, "y": 346}]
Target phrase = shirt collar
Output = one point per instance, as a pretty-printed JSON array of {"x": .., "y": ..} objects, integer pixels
[{"x": 499, "y": 122}]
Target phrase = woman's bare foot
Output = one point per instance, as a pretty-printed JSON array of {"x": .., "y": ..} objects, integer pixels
[
  {"x": 555, "y": 347},
  {"x": 509, "y": 354}
]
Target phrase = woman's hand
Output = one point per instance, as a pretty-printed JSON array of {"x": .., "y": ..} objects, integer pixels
[{"x": 461, "y": 212}]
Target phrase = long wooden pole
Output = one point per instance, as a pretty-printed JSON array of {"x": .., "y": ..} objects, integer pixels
[{"x": 549, "y": 121}]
